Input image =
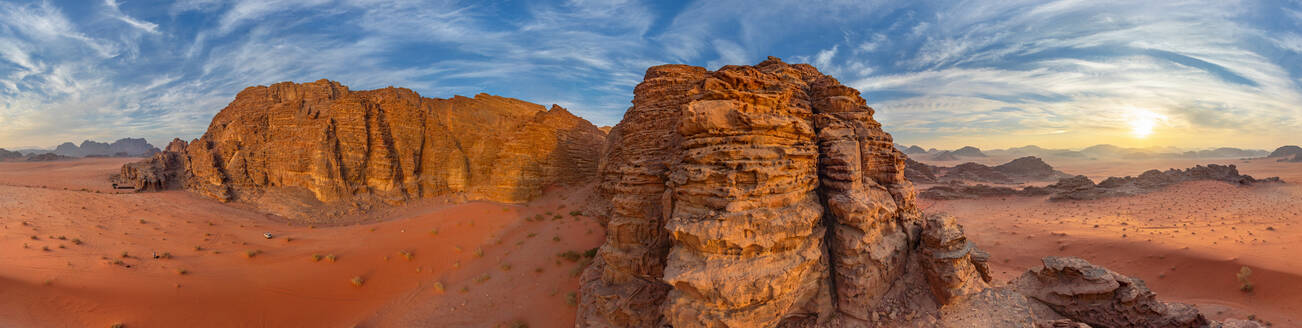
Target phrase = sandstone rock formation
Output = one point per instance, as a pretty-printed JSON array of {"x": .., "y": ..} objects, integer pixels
[
  {"x": 1097, "y": 296},
  {"x": 767, "y": 196},
  {"x": 46, "y": 157},
  {"x": 321, "y": 143},
  {"x": 748, "y": 197}
]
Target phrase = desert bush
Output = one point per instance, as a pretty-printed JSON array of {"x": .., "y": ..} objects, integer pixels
[
  {"x": 1244, "y": 275},
  {"x": 571, "y": 256},
  {"x": 357, "y": 281}
]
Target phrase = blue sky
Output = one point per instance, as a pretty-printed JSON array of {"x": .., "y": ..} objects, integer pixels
[{"x": 940, "y": 73}]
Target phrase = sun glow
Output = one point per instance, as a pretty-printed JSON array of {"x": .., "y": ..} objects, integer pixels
[{"x": 1142, "y": 122}]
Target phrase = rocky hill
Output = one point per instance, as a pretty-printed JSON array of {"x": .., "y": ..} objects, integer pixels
[
  {"x": 1019, "y": 170},
  {"x": 6, "y": 155},
  {"x": 125, "y": 147},
  {"x": 969, "y": 151},
  {"x": 1286, "y": 152},
  {"x": 320, "y": 144},
  {"x": 768, "y": 196}
]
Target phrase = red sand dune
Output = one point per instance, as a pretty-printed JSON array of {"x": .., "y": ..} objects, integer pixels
[{"x": 281, "y": 285}]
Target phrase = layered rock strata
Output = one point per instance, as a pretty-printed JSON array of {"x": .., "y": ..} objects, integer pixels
[
  {"x": 320, "y": 142},
  {"x": 750, "y": 196}
]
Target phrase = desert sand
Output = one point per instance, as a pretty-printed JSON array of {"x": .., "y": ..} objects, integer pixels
[
  {"x": 1186, "y": 242},
  {"x": 78, "y": 254}
]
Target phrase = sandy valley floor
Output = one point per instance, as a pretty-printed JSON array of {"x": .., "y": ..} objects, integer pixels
[{"x": 75, "y": 254}]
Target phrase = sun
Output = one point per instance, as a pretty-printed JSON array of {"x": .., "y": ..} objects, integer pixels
[{"x": 1142, "y": 122}]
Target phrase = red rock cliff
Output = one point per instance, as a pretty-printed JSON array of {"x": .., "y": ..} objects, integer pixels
[{"x": 324, "y": 142}]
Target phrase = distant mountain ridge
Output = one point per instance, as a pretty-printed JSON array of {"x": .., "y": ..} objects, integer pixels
[
  {"x": 125, "y": 147},
  {"x": 1101, "y": 151}
]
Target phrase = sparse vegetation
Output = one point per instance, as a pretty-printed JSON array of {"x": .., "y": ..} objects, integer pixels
[
  {"x": 572, "y": 298},
  {"x": 438, "y": 287},
  {"x": 76, "y": 241},
  {"x": 1244, "y": 275},
  {"x": 479, "y": 252},
  {"x": 505, "y": 267},
  {"x": 482, "y": 278},
  {"x": 434, "y": 232},
  {"x": 406, "y": 254},
  {"x": 357, "y": 281},
  {"x": 182, "y": 271},
  {"x": 117, "y": 325},
  {"x": 571, "y": 256},
  {"x": 252, "y": 253}
]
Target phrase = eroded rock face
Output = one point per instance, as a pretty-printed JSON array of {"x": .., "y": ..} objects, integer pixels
[
  {"x": 954, "y": 266},
  {"x": 751, "y": 196},
  {"x": 320, "y": 142},
  {"x": 1097, "y": 296}
]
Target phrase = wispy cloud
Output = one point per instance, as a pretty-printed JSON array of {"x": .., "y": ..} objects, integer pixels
[{"x": 940, "y": 73}]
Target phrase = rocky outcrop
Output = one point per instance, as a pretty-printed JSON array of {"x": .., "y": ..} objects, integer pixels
[
  {"x": 165, "y": 170},
  {"x": 919, "y": 172},
  {"x": 748, "y": 197},
  {"x": 1296, "y": 159},
  {"x": 1030, "y": 168},
  {"x": 1080, "y": 188},
  {"x": 321, "y": 143},
  {"x": 46, "y": 157},
  {"x": 953, "y": 265},
  {"x": 1097, "y": 296},
  {"x": 914, "y": 149}
]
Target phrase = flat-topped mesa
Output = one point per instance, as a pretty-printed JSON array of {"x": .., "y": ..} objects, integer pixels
[{"x": 320, "y": 142}]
